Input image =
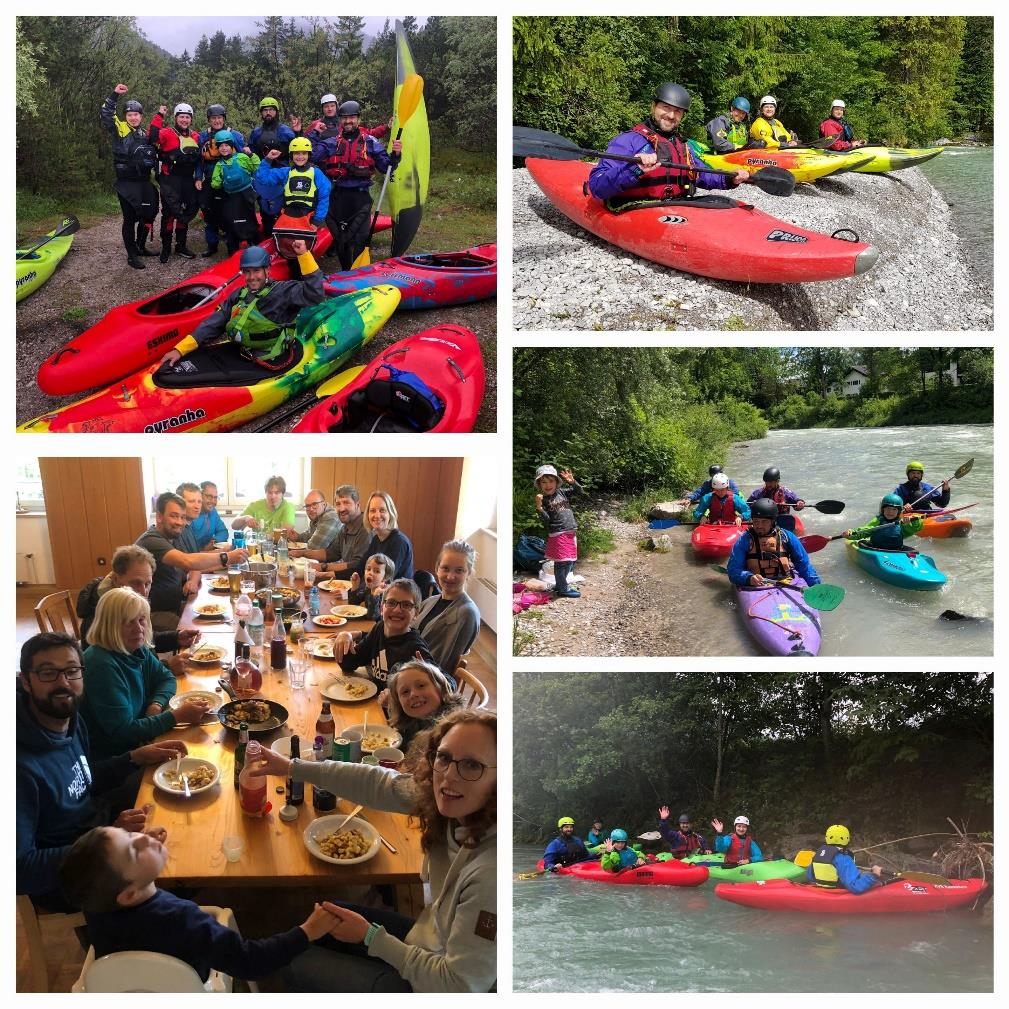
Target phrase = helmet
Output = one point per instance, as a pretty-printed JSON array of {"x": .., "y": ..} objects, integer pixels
[
  {"x": 740, "y": 819},
  {"x": 254, "y": 256},
  {"x": 684, "y": 818},
  {"x": 772, "y": 473},
  {"x": 269, "y": 103},
  {"x": 673, "y": 94},
  {"x": 349, "y": 109},
  {"x": 224, "y": 137},
  {"x": 719, "y": 481},
  {"x": 544, "y": 471},
  {"x": 837, "y": 103},
  {"x": 183, "y": 107},
  {"x": 326, "y": 99},
  {"x": 712, "y": 470},
  {"x": 216, "y": 110},
  {"x": 764, "y": 508},
  {"x": 914, "y": 464},
  {"x": 618, "y": 834},
  {"x": 134, "y": 106},
  {"x": 768, "y": 100},
  {"x": 891, "y": 500},
  {"x": 300, "y": 144},
  {"x": 740, "y": 103},
  {"x": 837, "y": 835},
  {"x": 565, "y": 821}
]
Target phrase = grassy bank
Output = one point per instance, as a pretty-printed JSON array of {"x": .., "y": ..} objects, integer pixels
[{"x": 38, "y": 213}]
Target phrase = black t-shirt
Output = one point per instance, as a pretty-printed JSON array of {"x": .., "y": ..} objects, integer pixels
[
  {"x": 166, "y": 586},
  {"x": 381, "y": 655},
  {"x": 439, "y": 607}
]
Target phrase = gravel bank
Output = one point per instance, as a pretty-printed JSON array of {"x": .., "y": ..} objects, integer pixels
[{"x": 566, "y": 278}]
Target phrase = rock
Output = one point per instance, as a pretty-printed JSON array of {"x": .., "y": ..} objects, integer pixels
[
  {"x": 666, "y": 510},
  {"x": 662, "y": 544}
]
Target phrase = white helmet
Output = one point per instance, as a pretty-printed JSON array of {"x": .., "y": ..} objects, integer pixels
[
  {"x": 837, "y": 102},
  {"x": 719, "y": 481},
  {"x": 183, "y": 107},
  {"x": 768, "y": 100},
  {"x": 326, "y": 99},
  {"x": 544, "y": 471},
  {"x": 740, "y": 819}
]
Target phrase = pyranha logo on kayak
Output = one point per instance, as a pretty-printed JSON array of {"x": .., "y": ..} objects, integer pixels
[
  {"x": 672, "y": 219},
  {"x": 186, "y": 417},
  {"x": 172, "y": 334},
  {"x": 24, "y": 279},
  {"x": 785, "y": 236}
]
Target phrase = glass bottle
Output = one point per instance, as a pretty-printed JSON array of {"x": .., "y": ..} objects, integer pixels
[
  {"x": 295, "y": 789},
  {"x": 278, "y": 644},
  {"x": 243, "y": 744}
]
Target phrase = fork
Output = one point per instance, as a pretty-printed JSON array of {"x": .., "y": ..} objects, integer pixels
[{"x": 185, "y": 786}]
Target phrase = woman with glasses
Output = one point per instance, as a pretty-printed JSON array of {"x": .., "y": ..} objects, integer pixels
[{"x": 453, "y": 794}]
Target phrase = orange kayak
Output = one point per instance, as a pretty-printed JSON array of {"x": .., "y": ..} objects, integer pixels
[{"x": 945, "y": 526}]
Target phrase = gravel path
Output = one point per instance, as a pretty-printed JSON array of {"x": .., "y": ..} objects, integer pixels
[{"x": 565, "y": 278}]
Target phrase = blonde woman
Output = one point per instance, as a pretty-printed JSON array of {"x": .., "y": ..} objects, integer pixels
[
  {"x": 126, "y": 686},
  {"x": 387, "y": 538}
]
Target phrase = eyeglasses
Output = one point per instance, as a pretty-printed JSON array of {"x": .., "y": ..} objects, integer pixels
[
  {"x": 210, "y": 497},
  {"x": 399, "y": 604},
  {"x": 468, "y": 768},
  {"x": 313, "y": 504},
  {"x": 47, "y": 674}
]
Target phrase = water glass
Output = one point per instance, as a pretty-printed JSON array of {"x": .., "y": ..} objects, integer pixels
[
  {"x": 232, "y": 847},
  {"x": 248, "y": 585},
  {"x": 309, "y": 575},
  {"x": 296, "y": 669}
]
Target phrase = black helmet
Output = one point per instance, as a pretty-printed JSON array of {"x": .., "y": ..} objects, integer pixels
[
  {"x": 673, "y": 94},
  {"x": 349, "y": 109},
  {"x": 133, "y": 106},
  {"x": 764, "y": 508},
  {"x": 772, "y": 473},
  {"x": 216, "y": 110},
  {"x": 712, "y": 470}
]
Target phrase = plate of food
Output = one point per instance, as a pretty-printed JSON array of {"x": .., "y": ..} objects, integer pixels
[
  {"x": 375, "y": 737},
  {"x": 334, "y": 585},
  {"x": 202, "y": 774},
  {"x": 350, "y": 688},
  {"x": 328, "y": 620},
  {"x": 320, "y": 648},
  {"x": 212, "y": 611},
  {"x": 213, "y": 701},
  {"x": 206, "y": 654},
  {"x": 297, "y": 546},
  {"x": 356, "y": 841},
  {"x": 220, "y": 584},
  {"x": 263, "y": 717},
  {"x": 350, "y": 612}
]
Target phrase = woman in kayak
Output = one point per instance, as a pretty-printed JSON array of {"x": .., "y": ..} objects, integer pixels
[
  {"x": 722, "y": 506},
  {"x": 781, "y": 496},
  {"x": 837, "y": 126},
  {"x": 915, "y": 489},
  {"x": 739, "y": 847},
  {"x": 554, "y": 509},
  {"x": 770, "y": 130},
  {"x": 619, "y": 854},
  {"x": 833, "y": 865},
  {"x": 684, "y": 840},
  {"x": 889, "y": 529},
  {"x": 657, "y": 146},
  {"x": 768, "y": 554},
  {"x": 727, "y": 133},
  {"x": 565, "y": 849}
]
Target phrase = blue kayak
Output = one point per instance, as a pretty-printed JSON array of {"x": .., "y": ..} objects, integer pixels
[{"x": 906, "y": 570}]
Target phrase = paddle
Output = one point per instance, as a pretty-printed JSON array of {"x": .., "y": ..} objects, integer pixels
[
  {"x": 805, "y": 857},
  {"x": 409, "y": 99},
  {"x": 217, "y": 290},
  {"x": 820, "y": 597},
  {"x": 68, "y": 227},
  {"x": 827, "y": 507},
  {"x": 532, "y": 875},
  {"x": 664, "y": 523},
  {"x": 530, "y": 143},
  {"x": 961, "y": 472}
]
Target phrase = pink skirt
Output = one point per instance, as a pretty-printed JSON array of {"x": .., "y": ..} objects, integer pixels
[{"x": 562, "y": 547}]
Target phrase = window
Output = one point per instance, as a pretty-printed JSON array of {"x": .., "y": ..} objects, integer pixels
[{"x": 28, "y": 486}]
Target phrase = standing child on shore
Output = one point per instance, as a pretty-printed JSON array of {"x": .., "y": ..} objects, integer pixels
[{"x": 554, "y": 509}]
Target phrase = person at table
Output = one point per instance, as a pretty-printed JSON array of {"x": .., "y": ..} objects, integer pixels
[
  {"x": 451, "y": 947},
  {"x": 684, "y": 840},
  {"x": 127, "y": 686},
  {"x": 923, "y": 496},
  {"x": 382, "y": 519},
  {"x": 62, "y": 789},
  {"x": 786, "y": 500},
  {"x": 208, "y": 527},
  {"x": 379, "y": 573},
  {"x": 565, "y": 848},
  {"x": 888, "y": 529},
  {"x": 323, "y": 525},
  {"x": 133, "y": 568},
  {"x": 695, "y": 495},
  {"x": 833, "y": 866},
  {"x": 268, "y": 513},
  {"x": 174, "y": 565},
  {"x": 739, "y": 847},
  {"x": 722, "y": 506},
  {"x": 419, "y": 695},
  {"x": 765, "y": 553},
  {"x": 450, "y": 622},
  {"x": 193, "y": 497},
  {"x": 348, "y": 548}
]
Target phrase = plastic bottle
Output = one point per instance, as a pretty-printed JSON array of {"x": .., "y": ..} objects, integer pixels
[
  {"x": 243, "y": 744},
  {"x": 282, "y": 554},
  {"x": 295, "y": 789},
  {"x": 243, "y": 607},
  {"x": 252, "y": 791},
  {"x": 255, "y": 624},
  {"x": 278, "y": 644},
  {"x": 314, "y": 602}
]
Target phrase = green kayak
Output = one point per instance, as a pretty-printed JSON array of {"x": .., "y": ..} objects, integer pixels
[
  {"x": 37, "y": 267},
  {"x": 890, "y": 159},
  {"x": 777, "y": 868}
]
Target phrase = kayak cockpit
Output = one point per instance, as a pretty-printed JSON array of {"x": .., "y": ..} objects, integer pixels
[
  {"x": 181, "y": 299},
  {"x": 224, "y": 365}
]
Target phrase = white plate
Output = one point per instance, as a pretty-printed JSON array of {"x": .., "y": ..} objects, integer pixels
[
  {"x": 349, "y": 611},
  {"x": 320, "y": 648},
  {"x": 336, "y": 690},
  {"x": 187, "y": 766},
  {"x": 213, "y": 701},
  {"x": 212, "y": 611},
  {"x": 327, "y": 824},
  {"x": 206, "y": 661},
  {"x": 394, "y": 738},
  {"x": 333, "y": 585},
  {"x": 329, "y": 620}
]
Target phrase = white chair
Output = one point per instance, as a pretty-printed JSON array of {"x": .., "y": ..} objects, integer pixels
[{"x": 31, "y": 921}]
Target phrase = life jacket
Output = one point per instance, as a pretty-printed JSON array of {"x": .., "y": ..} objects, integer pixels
[
  {"x": 351, "y": 160},
  {"x": 300, "y": 191},
  {"x": 778, "y": 497},
  {"x": 764, "y": 128},
  {"x": 252, "y": 330},
  {"x": 847, "y": 133},
  {"x": 660, "y": 182},
  {"x": 739, "y": 847},
  {"x": 269, "y": 140},
  {"x": 824, "y": 870},
  {"x": 575, "y": 851},
  {"x": 133, "y": 155},
  {"x": 722, "y": 509},
  {"x": 691, "y": 842},
  {"x": 188, "y": 148},
  {"x": 768, "y": 556},
  {"x": 234, "y": 175},
  {"x": 723, "y": 127}
]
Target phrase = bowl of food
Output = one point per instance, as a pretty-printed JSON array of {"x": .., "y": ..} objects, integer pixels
[
  {"x": 355, "y": 842},
  {"x": 262, "y": 716},
  {"x": 349, "y": 611},
  {"x": 211, "y": 611},
  {"x": 328, "y": 620},
  {"x": 205, "y": 654},
  {"x": 334, "y": 585},
  {"x": 292, "y": 597},
  {"x": 375, "y": 737},
  {"x": 202, "y": 775},
  {"x": 213, "y": 701},
  {"x": 349, "y": 688}
]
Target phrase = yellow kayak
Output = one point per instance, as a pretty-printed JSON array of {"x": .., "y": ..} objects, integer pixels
[
  {"x": 889, "y": 159},
  {"x": 806, "y": 165}
]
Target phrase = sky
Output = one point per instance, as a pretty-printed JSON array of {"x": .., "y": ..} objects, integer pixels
[{"x": 178, "y": 33}]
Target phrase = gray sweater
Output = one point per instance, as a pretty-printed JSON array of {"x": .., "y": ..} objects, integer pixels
[
  {"x": 452, "y": 632},
  {"x": 451, "y": 947}
]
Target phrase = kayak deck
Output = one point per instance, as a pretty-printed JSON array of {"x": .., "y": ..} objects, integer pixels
[{"x": 916, "y": 571}]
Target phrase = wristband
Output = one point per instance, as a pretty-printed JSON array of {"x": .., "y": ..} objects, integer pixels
[{"x": 371, "y": 933}]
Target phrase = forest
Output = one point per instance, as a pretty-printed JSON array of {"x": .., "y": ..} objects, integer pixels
[
  {"x": 907, "y": 81},
  {"x": 888, "y": 754}
]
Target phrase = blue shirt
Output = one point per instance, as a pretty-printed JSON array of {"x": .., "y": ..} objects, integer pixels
[
  {"x": 849, "y": 875},
  {"x": 739, "y": 574},
  {"x": 208, "y": 528}
]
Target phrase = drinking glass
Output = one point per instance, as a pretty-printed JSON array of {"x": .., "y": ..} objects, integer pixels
[
  {"x": 296, "y": 669},
  {"x": 234, "y": 582},
  {"x": 309, "y": 575},
  {"x": 248, "y": 586}
]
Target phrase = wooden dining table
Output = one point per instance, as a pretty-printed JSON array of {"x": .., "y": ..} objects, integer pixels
[{"x": 275, "y": 854}]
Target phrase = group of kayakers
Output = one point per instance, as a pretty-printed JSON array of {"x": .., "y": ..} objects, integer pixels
[
  {"x": 316, "y": 175},
  {"x": 729, "y": 132}
]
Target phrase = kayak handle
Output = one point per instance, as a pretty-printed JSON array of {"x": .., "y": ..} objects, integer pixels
[
  {"x": 61, "y": 352},
  {"x": 457, "y": 370},
  {"x": 841, "y": 232}
]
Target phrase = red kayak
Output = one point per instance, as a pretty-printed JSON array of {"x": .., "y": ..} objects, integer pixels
[
  {"x": 671, "y": 873},
  {"x": 431, "y": 382},
  {"x": 714, "y": 540},
  {"x": 894, "y": 898},
  {"x": 713, "y": 236},
  {"x": 428, "y": 280}
]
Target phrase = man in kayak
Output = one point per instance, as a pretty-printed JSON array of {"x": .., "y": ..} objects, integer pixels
[
  {"x": 695, "y": 495},
  {"x": 566, "y": 849},
  {"x": 785, "y": 499},
  {"x": 271, "y": 134},
  {"x": 767, "y": 554},
  {"x": 739, "y": 847},
  {"x": 722, "y": 506},
  {"x": 833, "y": 865},
  {"x": 211, "y": 200},
  {"x": 770, "y": 130},
  {"x": 179, "y": 153},
  {"x": 837, "y": 126},
  {"x": 657, "y": 146},
  {"x": 134, "y": 158},
  {"x": 889, "y": 529},
  {"x": 684, "y": 840},
  {"x": 914, "y": 488},
  {"x": 260, "y": 316},
  {"x": 619, "y": 854},
  {"x": 728, "y": 133},
  {"x": 595, "y": 836}
]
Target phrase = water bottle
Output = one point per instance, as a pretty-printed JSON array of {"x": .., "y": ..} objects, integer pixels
[
  {"x": 282, "y": 555},
  {"x": 255, "y": 624},
  {"x": 314, "y": 603},
  {"x": 243, "y": 607}
]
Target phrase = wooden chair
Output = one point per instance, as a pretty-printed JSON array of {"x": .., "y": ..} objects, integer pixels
[
  {"x": 31, "y": 921},
  {"x": 474, "y": 694},
  {"x": 55, "y": 612}
]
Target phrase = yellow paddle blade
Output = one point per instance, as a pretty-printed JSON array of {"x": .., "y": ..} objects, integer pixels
[
  {"x": 409, "y": 98},
  {"x": 338, "y": 382},
  {"x": 804, "y": 858},
  {"x": 363, "y": 260},
  {"x": 530, "y": 875}
]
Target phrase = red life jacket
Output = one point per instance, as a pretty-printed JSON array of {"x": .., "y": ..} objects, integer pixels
[
  {"x": 661, "y": 183},
  {"x": 171, "y": 139},
  {"x": 691, "y": 843},
  {"x": 722, "y": 509},
  {"x": 352, "y": 159},
  {"x": 739, "y": 847},
  {"x": 768, "y": 556}
]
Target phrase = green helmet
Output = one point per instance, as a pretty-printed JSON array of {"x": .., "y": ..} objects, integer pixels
[
  {"x": 565, "y": 821},
  {"x": 914, "y": 464},
  {"x": 891, "y": 501},
  {"x": 269, "y": 103},
  {"x": 619, "y": 834}
]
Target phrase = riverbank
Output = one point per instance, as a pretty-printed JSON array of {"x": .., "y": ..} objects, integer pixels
[{"x": 565, "y": 278}]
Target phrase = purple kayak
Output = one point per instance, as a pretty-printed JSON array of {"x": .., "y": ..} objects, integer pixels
[{"x": 779, "y": 620}]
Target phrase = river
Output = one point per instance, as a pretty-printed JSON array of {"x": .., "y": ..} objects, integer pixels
[
  {"x": 858, "y": 466},
  {"x": 578, "y": 936}
]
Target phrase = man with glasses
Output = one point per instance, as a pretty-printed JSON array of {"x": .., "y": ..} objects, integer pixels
[
  {"x": 324, "y": 526},
  {"x": 208, "y": 527},
  {"x": 684, "y": 840},
  {"x": 58, "y": 789},
  {"x": 347, "y": 549}
]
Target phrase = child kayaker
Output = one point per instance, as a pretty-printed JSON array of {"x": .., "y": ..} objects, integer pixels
[
  {"x": 684, "y": 840},
  {"x": 768, "y": 554},
  {"x": 233, "y": 173},
  {"x": 739, "y": 847},
  {"x": 889, "y": 529},
  {"x": 786, "y": 500},
  {"x": 619, "y": 854},
  {"x": 833, "y": 865},
  {"x": 722, "y": 506},
  {"x": 554, "y": 509}
]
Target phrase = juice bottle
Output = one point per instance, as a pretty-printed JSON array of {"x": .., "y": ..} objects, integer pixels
[{"x": 252, "y": 791}]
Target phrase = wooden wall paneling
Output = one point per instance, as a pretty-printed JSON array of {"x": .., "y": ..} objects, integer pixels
[
  {"x": 52, "y": 491},
  {"x": 96, "y": 492},
  {"x": 125, "y": 503},
  {"x": 366, "y": 477}
]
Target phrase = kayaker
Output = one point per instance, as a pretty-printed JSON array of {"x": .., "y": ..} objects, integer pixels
[
  {"x": 565, "y": 849},
  {"x": 739, "y": 847},
  {"x": 837, "y": 125},
  {"x": 260, "y": 316},
  {"x": 684, "y": 840},
  {"x": 328, "y": 127},
  {"x": 728, "y": 132},
  {"x": 833, "y": 865},
  {"x": 351, "y": 160},
  {"x": 179, "y": 153},
  {"x": 211, "y": 200},
  {"x": 554, "y": 508},
  {"x": 770, "y": 130},
  {"x": 694, "y": 496},
  {"x": 766, "y": 553},
  {"x": 619, "y": 854},
  {"x": 722, "y": 506},
  {"x": 233, "y": 176},
  {"x": 656, "y": 144},
  {"x": 271, "y": 134},
  {"x": 134, "y": 158},
  {"x": 889, "y": 529},
  {"x": 595, "y": 836},
  {"x": 914, "y": 488},
  {"x": 785, "y": 499}
]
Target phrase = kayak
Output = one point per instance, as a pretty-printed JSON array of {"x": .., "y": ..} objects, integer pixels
[
  {"x": 897, "y": 897},
  {"x": 34, "y": 270},
  {"x": 428, "y": 280},
  {"x": 712, "y": 236},
  {"x": 778, "y": 618},
  {"x": 671, "y": 873},
  {"x": 890, "y": 159},
  {"x": 805, "y": 165},
  {"x": 775, "y": 868},
  {"x": 215, "y": 388},
  {"x": 714, "y": 540},
  {"x": 943, "y": 527},
  {"x": 387, "y": 397},
  {"x": 905, "y": 570}
]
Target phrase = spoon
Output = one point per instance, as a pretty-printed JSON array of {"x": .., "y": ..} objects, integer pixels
[{"x": 185, "y": 786}]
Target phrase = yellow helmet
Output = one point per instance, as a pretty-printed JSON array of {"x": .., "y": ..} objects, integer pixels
[
  {"x": 838, "y": 835},
  {"x": 300, "y": 144},
  {"x": 565, "y": 821}
]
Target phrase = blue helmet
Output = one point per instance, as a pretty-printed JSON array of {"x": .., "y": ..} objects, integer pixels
[
  {"x": 891, "y": 501},
  {"x": 740, "y": 103},
  {"x": 618, "y": 835},
  {"x": 224, "y": 137},
  {"x": 254, "y": 256}
]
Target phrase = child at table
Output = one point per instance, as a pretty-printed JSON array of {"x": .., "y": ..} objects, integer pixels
[
  {"x": 378, "y": 575},
  {"x": 419, "y": 694},
  {"x": 554, "y": 508},
  {"x": 109, "y": 873}
]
